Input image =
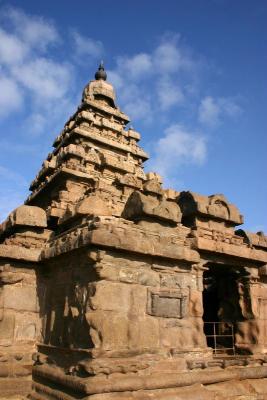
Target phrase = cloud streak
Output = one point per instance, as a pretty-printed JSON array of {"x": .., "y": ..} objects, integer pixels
[
  {"x": 179, "y": 146},
  {"x": 159, "y": 78},
  {"x": 34, "y": 31},
  {"x": 85, "y": 48},
  {"x": 31, "y": 74},
  {"x": 11, "y": 96},
  {"x": 212, "y": 110},
  {"x": 28, "y": 71}
]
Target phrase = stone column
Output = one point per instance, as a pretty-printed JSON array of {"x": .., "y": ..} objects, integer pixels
[
  {"x": 196, "y": 304},
  {"x": 248, "y": 331}
]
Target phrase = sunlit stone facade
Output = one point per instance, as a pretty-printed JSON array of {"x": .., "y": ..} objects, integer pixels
[{"x": 112, "y": 287}]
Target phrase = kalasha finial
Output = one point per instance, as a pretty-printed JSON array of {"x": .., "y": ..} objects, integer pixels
[{"x": 101, "y": 73}]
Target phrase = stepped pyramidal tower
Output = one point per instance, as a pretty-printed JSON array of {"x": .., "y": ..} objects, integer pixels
[{"x": 113, "y": 288}]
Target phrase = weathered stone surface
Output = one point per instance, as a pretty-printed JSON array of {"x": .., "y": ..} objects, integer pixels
[
  {"x": 123, "y": 289},
  {"x": 20, "y": 298},
  {"x": 25, "y": 215},
  {"x": 19, "y": 253},
  {"x": 259, "y": 240},
  {"x": 7, "y": 326},
  {"x": 112, "y": 297},
  {"x": 215, "y": 206},
  {"x": 231, "y": 249},
  {"x": 140, "y": 206},
  {"x": 93, "y": 205}
]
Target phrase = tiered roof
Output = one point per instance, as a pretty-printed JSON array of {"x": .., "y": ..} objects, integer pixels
[{"x": 94, "y": 149}]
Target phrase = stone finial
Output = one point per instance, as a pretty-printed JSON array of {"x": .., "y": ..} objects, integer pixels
[
  {"x": 100, "y": 90},
  {"x": 101, "y": 73}
]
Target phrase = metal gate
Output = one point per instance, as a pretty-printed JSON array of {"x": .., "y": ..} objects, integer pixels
[{"x": 220, "y": 337}]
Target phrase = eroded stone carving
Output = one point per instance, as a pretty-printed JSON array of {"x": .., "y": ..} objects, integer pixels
[{"x": 140, "y": 206}]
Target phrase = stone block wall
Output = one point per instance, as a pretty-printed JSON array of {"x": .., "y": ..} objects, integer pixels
[
  {"x": 19, "y": 325},
  {"x": 121, "y": 308}
]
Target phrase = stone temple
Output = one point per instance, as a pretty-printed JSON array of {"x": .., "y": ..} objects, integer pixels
[{"x": 113, "y": 288}]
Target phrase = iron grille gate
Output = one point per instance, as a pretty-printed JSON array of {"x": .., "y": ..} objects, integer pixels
[{"x": 220, "y": 337}]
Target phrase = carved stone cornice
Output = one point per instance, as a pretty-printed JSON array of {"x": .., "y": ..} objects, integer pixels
[{"x": 119, "y": 234}]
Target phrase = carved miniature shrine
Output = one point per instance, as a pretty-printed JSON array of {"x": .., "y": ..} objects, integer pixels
[{"x": 112, "y": 287}]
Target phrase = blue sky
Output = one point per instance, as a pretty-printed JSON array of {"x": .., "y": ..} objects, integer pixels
[{"x": 190, "y": 74}]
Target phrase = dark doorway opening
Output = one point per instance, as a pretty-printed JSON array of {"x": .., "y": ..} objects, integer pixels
[{"x": 221, "y": 308}]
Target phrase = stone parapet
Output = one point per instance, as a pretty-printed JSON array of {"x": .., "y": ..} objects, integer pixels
[
  {"x": 229, "y": 245},
  {"x": 214, "y": 207},
  {"x": 257, "y": 240}
]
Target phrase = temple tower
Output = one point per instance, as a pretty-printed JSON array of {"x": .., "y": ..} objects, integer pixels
[
  {"x": 104, "y": 274},
  {"x": 95, "y": 153}
]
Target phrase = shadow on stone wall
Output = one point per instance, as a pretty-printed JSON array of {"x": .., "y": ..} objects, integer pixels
[{"x": 63, "y": 289}]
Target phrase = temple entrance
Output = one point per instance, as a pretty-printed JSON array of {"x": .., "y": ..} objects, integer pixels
[{"x": 221, "y": 308}]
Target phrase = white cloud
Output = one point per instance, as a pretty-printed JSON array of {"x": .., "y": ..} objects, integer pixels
[
  {"x": 32, "y": 30},
  {"x": 153, "y": 83},
  {"x": 139, "y": 109},
  {"x": 135, "y": 102},
  {"x": 51, "y": 117},
  {"x": 169, "y": 93},
  {"x": 30, "y": 76},
  {"x": 45, "y": 78},
  {"x": 35, "y": 124},
  {"x": 153, "y": 77},
  {"x": 11, "y": 96},
  {"x": 12, "y": 49},
  {"x": 229, "y": 107},
  {"x": 85, "y": 47},
  {"x": 209, "y": 111},
  {"x": 212, "y": 110},
  {"x": 135, "y": 67},
  {"x": 177, "y": 147},
  {"x": 170, "y": 56},
  {"x": 116, "y": 79}
]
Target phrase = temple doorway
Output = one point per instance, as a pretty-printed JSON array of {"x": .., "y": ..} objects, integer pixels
[{"x": 221, "y": 308}]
